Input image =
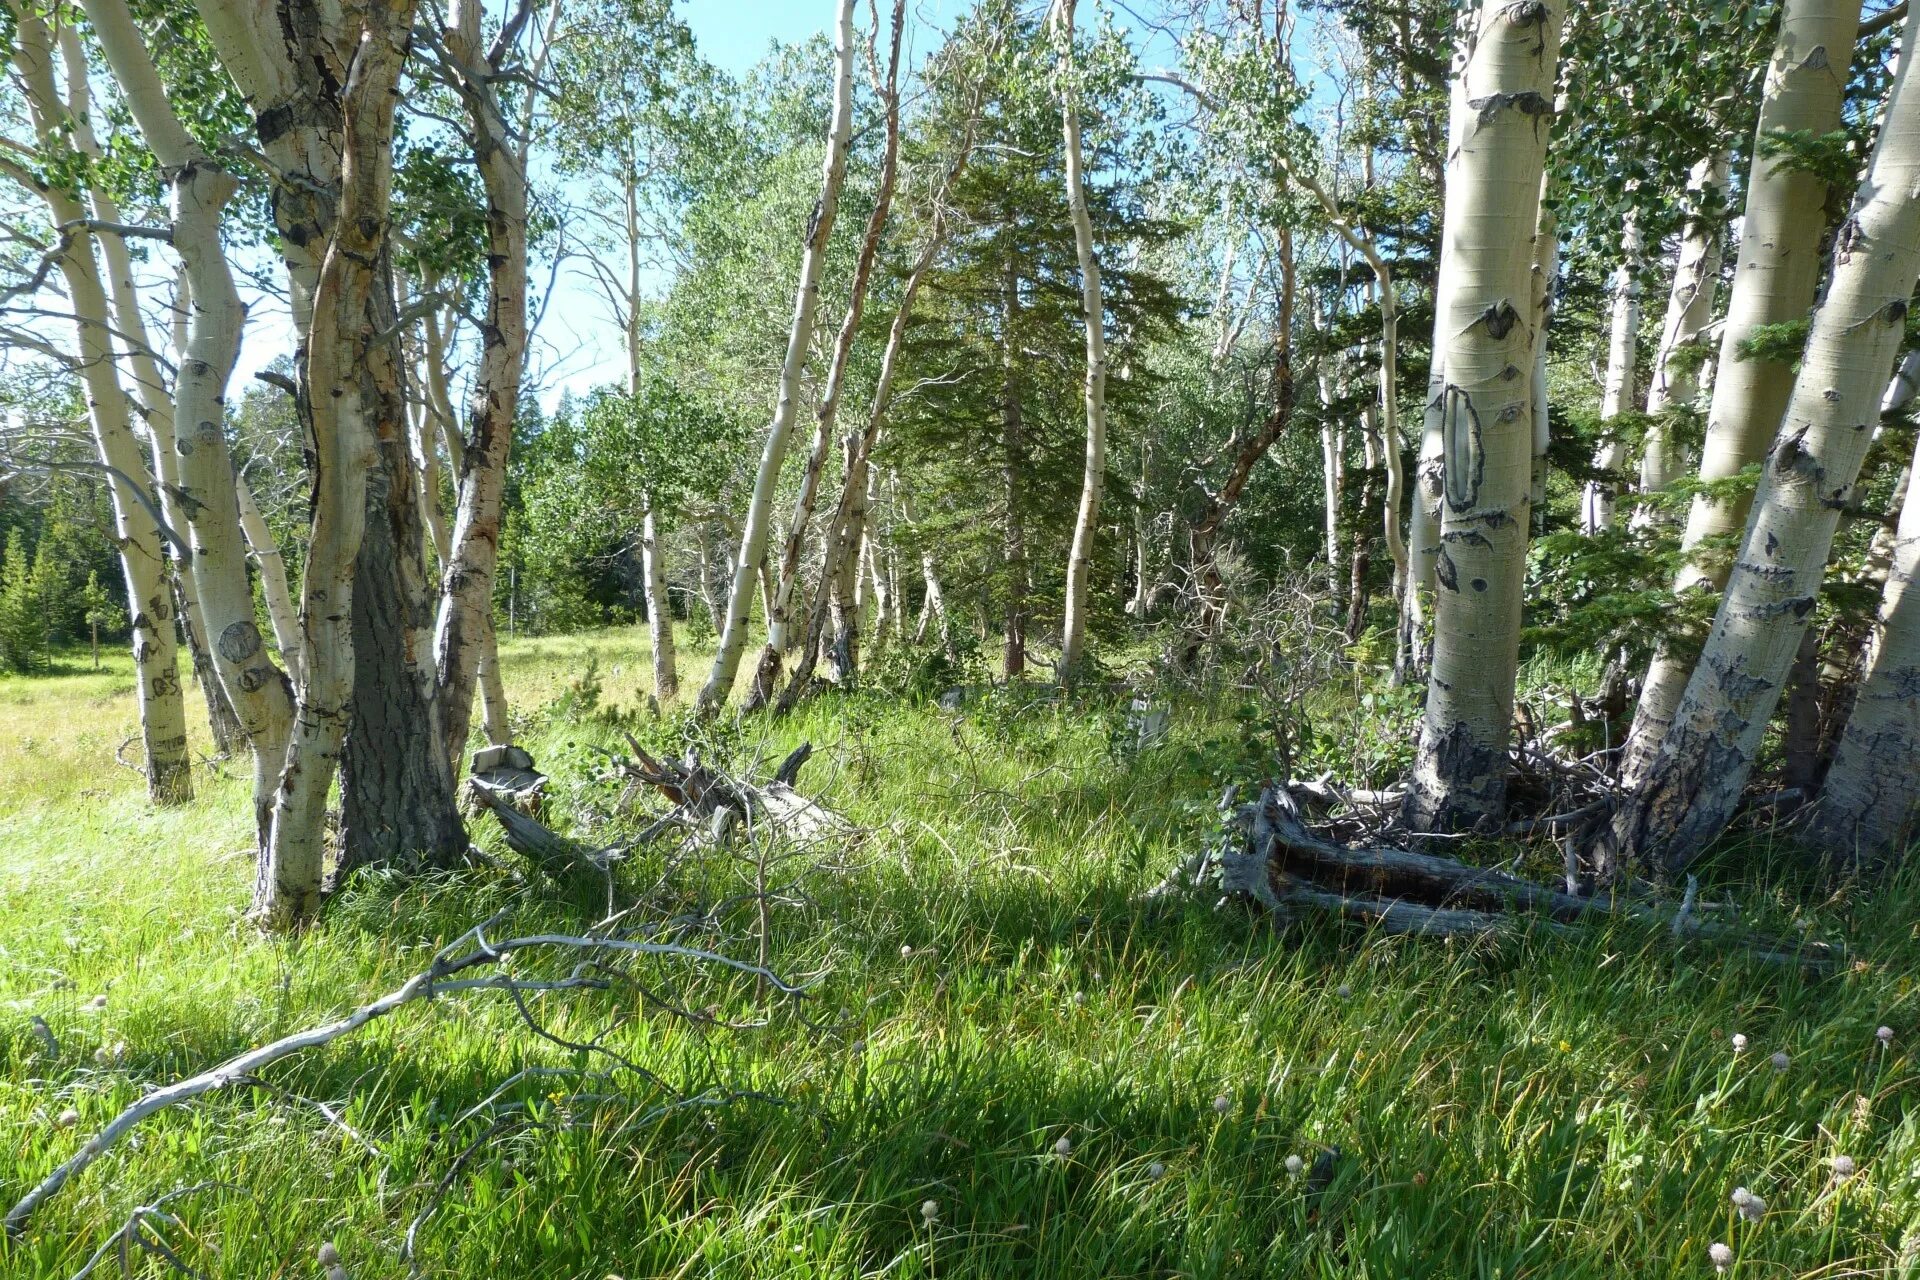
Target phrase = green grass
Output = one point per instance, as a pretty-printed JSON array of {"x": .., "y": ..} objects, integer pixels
[{"x": 1539, "y": 1107}]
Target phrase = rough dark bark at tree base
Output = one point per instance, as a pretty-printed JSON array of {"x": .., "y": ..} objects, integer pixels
[
  {"x": 1270, "y": 856},
  {"x": 396, "y": 783}
]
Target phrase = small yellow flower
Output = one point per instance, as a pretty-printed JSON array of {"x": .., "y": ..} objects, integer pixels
[{"x": 1565, "y": 1047}]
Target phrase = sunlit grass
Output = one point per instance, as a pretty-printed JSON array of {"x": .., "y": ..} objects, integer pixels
[{"x": 988, "y": 985}]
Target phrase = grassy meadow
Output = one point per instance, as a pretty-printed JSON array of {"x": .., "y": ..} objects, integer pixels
[{"x": 1007, "y": 1064}]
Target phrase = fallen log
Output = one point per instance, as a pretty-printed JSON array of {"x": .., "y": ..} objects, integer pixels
[{"x": 1270, "y": 855}]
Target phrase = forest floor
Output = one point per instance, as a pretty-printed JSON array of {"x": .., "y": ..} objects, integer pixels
[{"x": 984, "y": 985}]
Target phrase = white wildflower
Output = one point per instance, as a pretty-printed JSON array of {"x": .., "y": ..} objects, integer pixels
[
  {"x": 1294, "y": 1165},
  {"x": 1079, "y": 999},
  {"x": 1751, "y": 1206},
  {"x": 930, "y": 1211},
  {"x": 1780, "y": 1060},
  {"x": 1884, "y": 1035},
  {"x": 906, "y": 950},
  {"x": 1156, "y": 1171},
  {"x": 1063, "y": 1148},
  {"x": 1739, "y": 1042},
  {"x": 1843, "y": 1167},
  {"x": 1222, "y": 1104},
  {"x": 1720, "y": 1255}
]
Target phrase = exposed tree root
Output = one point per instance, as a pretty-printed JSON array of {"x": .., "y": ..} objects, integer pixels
[{"x": 1269, "y": 854}]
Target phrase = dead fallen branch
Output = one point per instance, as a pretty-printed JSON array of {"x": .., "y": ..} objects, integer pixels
[
  {"x": 1269, "y": 854},
  {"x": 593, "y": 956}
]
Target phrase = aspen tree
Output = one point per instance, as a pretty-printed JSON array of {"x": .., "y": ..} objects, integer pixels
[
  {"x": 1693, "y": 783},
  {"x": 1486, "y": 420},
  {"x": 1773, "y": 283}
]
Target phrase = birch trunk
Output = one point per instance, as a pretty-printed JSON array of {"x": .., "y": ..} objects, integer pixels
[
  {"x": 1773, "y": 283},
  {"x": 1492, "y": 214},
  {"x": 1872, "y": 794},
  {"x": 1694, "y": 782},
  {"x": 753, "y": 541},
  {"x": 1093, "y": 477},
  {"x": 1696, "y": 275},
  {"x": 463, "y": 639},
  {"x": 163, "y": 718},
  {"x": 773, "y": 654},
  {"x": 1013, "y": 450},
  {"x": 1601, "y": 498},
  {"x": 653, "y": 560},
  {"x": 205, "y": 480}
]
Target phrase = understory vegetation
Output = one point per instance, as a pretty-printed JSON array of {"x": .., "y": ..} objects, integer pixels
[{"x": 1008, "y": 1061}]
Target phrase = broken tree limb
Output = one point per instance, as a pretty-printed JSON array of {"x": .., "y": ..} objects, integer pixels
[
  {"x": 469, "y": 951},
  {"x": 1269, "y": 854}
]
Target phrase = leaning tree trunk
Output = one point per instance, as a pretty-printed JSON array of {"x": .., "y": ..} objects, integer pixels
[
  {"x": 137, "y": 533},
  {"x": 463, "y": 640},
  {"x": 205, "y": 484},
  {"x": 753, "y": 540},
  {"x": 1459, "y": 774},
  {"x": 1867, "y": 808},
  {"x": 1693, "y": 784},
  {"x": 779, "y": 621},
  {"x": 1093, "y": 477},
  {"x": 1602, "y": 494},
  {"x": 1696, "y": 274},
  {"x": 1773, "y": 283}
]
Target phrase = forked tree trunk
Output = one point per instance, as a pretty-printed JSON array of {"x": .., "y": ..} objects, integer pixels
[
  {"x": 1094, "y": 475},
  {"x": 753, "y": 540},
  {"x": 1773, "y": 283},
  {"x": 205, "y": 482},
  {"x": 1696, "y": 275},
  {"x": 463, "y": 639},
  {"x": 773, "y": 654},
  {"x": 163, "y": 717},
  {"x": 1459, "y": 773},
  {"x": 1619, "y": 395},
  {"x": 1694, "y": 783},
  {"x": 1872, "y": 792},
  {"x": 333, "y": 249}
]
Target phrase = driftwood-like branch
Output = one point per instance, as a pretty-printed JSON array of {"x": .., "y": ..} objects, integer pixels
[
  {"x": 471, "y": 950},
  {"x": 1270, "y": 855}
]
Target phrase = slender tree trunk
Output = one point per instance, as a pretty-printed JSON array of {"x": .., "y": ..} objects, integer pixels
[
  {"x": 1872, "y": 792},
  {"x": 773, "y": 655},
  {"x": 753, "y": 542},
  {"x": 204, "y": 479},
  {"x": 1618, "y": 396},
  {"x": 462, "y": 642},
  {"x": 1094, "y": 476},
  {"x": 1694, "y": 782},
  {"x": 1696, "y": 275},
  {"x": 1459, "y": 777},
  {"x": 281, "y": 614},
  {"x": 1013, "y": 450},
  {"x": 163, "y": 719},
  {"x": 1773, "y": 283}
]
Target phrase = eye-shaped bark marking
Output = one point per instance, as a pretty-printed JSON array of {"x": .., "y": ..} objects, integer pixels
[{"x": 1463, "y": 460}]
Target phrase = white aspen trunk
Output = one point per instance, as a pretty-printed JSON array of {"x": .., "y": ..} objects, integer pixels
[
  {"x": 1492, "y": 214},
  {"x": 1137, "y": 607},
  {"x": 666, "y": 677},
  {"x": 653, "y": 560},
  {"x": 779, "y": 619},
  {"x": 207, "y": 485},
  {"x": 1618, "y": 395},
  {"x": 1773, "y": 283},
  {"x": 1871, "y": 797},
  {"x": 163, "y": 719},
  {"x": 753, "y": 542},
  {"x": 1332, "y": 453},
  {"x": 1694, "y": 783},
  {"x": 345, "y": 449},
  {"x": 463, "y": 636},
  {"x": 426, "y": 461},
  {"x": 1093, "y": 477},
  {"x": 281, "y": 614},
  {"x": 1696, "y": 275}
]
